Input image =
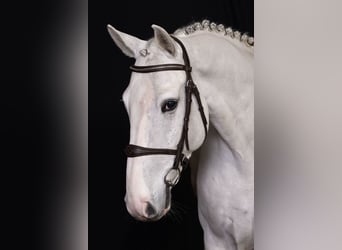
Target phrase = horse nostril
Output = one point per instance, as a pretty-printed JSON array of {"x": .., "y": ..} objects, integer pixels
[{"x": 149, "y": 210}]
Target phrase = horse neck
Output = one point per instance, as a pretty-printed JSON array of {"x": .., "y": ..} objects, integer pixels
[{"x": 223, "y": 71}]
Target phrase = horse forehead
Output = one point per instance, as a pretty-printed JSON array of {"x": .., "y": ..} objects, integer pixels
[
  {"x": 155, "y": 82},
  {"x": 158, "y": 82},
  {"x": 154, "y": 57},
  {"x": 141, "y": 90}
]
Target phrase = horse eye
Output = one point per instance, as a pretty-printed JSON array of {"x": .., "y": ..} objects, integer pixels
[{"x": 169, "y": 105}]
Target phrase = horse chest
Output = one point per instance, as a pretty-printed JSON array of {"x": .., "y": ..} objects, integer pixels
[{"x": 225, "y": 198}]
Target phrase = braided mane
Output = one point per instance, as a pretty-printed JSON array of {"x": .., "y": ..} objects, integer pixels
[{"x": 206, "y": 25}]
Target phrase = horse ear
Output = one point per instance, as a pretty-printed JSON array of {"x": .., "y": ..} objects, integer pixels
[
  {"x": 128, "y": 44},
  {"x": 164, "y": 40}
]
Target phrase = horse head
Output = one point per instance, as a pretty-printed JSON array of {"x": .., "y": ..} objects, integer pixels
[{"x": 156, "y": 103}]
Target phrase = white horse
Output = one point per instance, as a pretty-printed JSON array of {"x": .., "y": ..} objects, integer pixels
[{"x": 222, "y": 165}]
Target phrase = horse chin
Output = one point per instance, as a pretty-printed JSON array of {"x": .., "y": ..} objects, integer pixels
[{"x": 152, "y": 219}]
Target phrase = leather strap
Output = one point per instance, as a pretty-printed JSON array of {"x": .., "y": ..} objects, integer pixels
[
  {"x": 136, "y": 151},
  {"x": 160, "y": 67},
  {"x": 200, "y": 107}
]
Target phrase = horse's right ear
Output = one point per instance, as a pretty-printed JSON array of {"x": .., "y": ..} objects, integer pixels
[{"x": 128, "y": 44}]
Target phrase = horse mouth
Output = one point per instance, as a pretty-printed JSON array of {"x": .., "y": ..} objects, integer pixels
[
  {"x": 154, "y": 218},
  {"x": 157, "y": 217}
]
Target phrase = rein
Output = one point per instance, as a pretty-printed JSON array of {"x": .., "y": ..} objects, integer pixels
[{"x": 180, "y": 162}]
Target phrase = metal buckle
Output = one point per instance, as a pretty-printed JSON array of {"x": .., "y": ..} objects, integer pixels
[{"x": 172, "y": 177}]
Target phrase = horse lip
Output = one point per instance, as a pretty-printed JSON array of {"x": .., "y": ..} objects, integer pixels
[{"x": 153, "y": 219}]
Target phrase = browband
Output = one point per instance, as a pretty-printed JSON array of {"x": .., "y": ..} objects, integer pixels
[{"x": 160, "y": 67}]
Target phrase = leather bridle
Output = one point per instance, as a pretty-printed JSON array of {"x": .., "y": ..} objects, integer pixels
[{"x": 181, "y": 161}]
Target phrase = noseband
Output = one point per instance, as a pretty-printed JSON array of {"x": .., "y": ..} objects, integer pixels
[{"x": 180, "y": 162}]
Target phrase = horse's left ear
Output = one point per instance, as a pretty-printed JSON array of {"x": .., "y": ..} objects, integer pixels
[
  {"x": 128, "y": 44},
  {"x": 164, "y": 40}
]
